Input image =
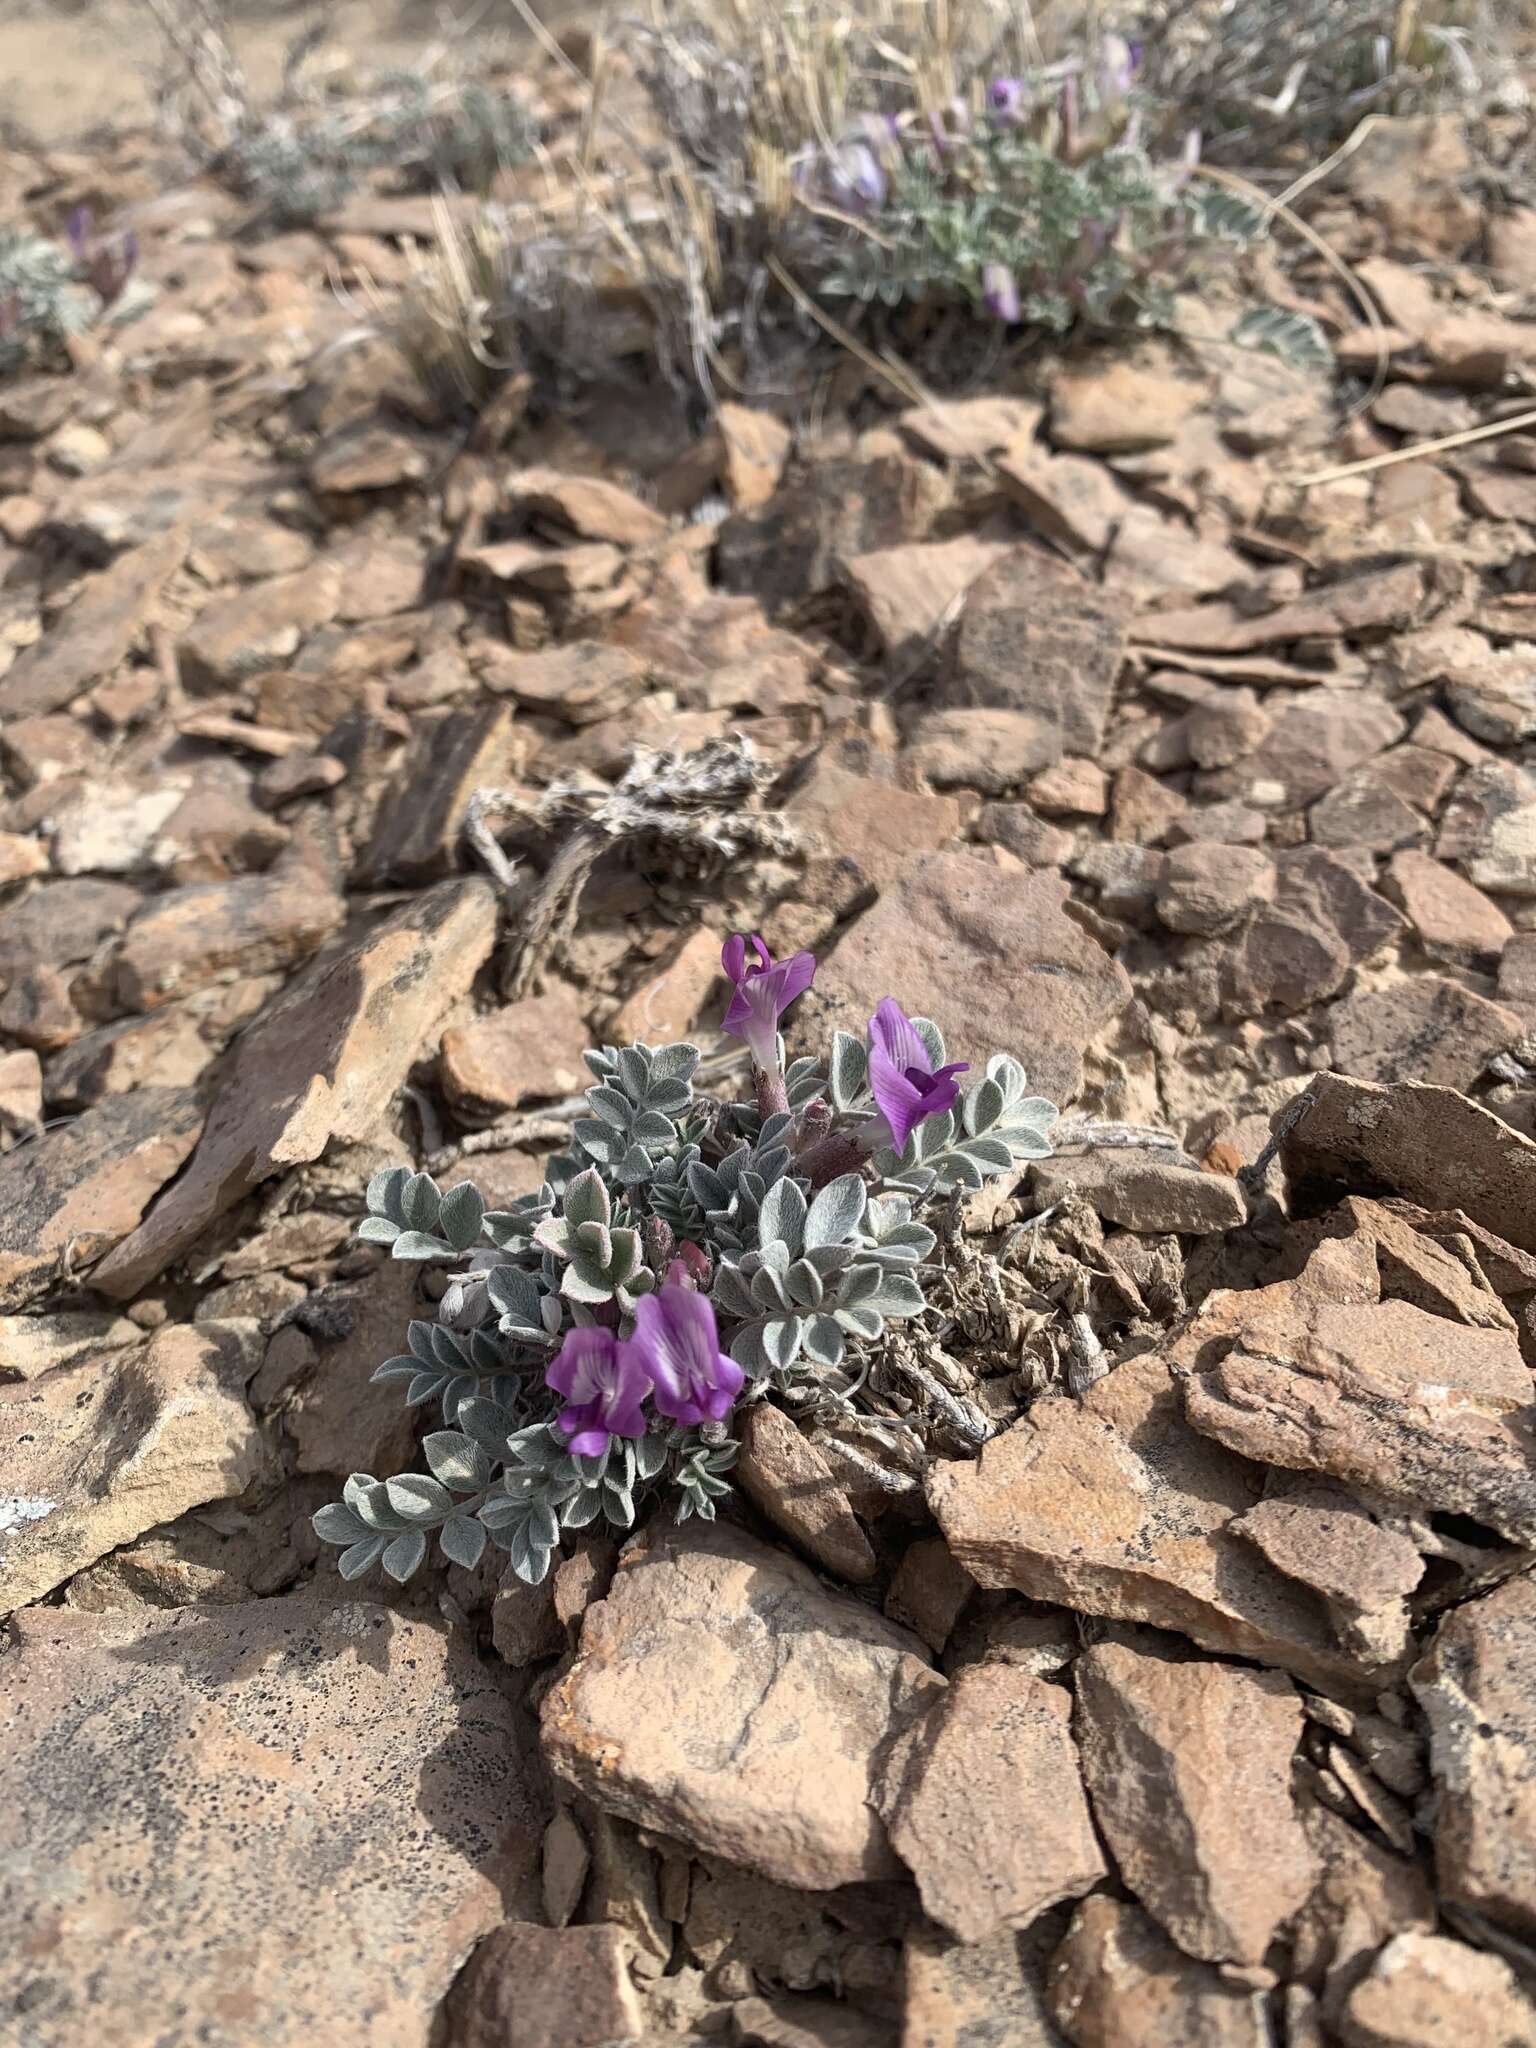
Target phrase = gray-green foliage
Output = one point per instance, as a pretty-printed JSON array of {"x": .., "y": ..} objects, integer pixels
[
  {"x": 804, "y": 1228},
  {"x": 50, "y": 292}
]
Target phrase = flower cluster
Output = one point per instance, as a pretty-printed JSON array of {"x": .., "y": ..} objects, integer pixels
[
  {"x": 50, "y": 291},
  {"x": 690, "y": 1255}
]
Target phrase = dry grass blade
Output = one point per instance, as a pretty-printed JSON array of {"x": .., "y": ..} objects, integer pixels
[{"x": 1492, "y": 430}]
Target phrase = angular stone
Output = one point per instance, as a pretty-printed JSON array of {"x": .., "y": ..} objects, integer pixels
[
  {"x": 670, "y": 1004},
  {"x": 1364, "y": 1895},
  {"x": 1189, "y": 1771},
  {"x": 786, "y": 1477},
  {"x": 1452, "y": 920},
  {"x": 1035, "y": 636},
  {"x": 1144, "y": 811},
  {"x": 258, "y": 628},
  {"x": 372, "y": 457},
  {"x": 910, "y": 593},
  {"x": 929, "y": 1591},
  {"x": 529, "y": 1051},
  {"x": 1364, "y": 812},
  {"x": 39, "y": 1010},
  {"x": 801, "y": 2022},
  {"x": 984, "y": 1801},
  {"x": 1119, "y": 407},
  {"x": 990, "y": 751},
  {"x": 109, "y": 828},
  {"x": 986, "y": 1994},
  {"x": 1381, "y": 600},
  {"x": 789, "y": 548},
  {"x": 74, "y": 1192},
  {"x": 338, "y": 1420},
  {"x": 1118, "y": 1982},
  {"x": 1207, "y": 888},
  {"x": 321, "y": 1062},
  {"x": 1113, "y": 1505},
  {"x": 991, "y": 957},
  {"x": 579, "y": 684},
  {"x": 1070, "y": 499},
  {"x": 1427, "y": 1029},
  {"x": 1407, "y": 1406},
  {"x": 96, "y": 634},
  {"x": 207, "y": 931},
  {"x": 1425, "y": 1991},
  {"x": 420, "y": 828},
  {"x": 592, "y": 508},
  {"x": 547, "y": 1987},
  {"x": 1477, "y": 1688},
  {"x": 1072, "y": 788},
  {"x": 165, "y": 1049},
  {"x": 21, "y": 857},
  {"x": 970, "y": 429},
  {"x": 1317, "y": 1533},
  {"x": 21, "y": 1096},
  {"x": 722, "y": 1696},
  {"x": 247, "y": 1931},
  {"x": 1143, "y": 1190},
  {"x": 1312, "y": 743},
  {"x": 1299, "y": 950},
  {"x": 92, "y": 1455},
  {"x": 1430, "y": 1144},
  {"x": 33, "y": 1345},
  {"x": 868, "y": 826}
]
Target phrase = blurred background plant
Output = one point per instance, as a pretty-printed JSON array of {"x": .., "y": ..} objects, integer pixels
[{"x": 51, "y": 291}]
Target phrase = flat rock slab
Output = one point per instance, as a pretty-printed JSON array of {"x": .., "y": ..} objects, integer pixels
[
  {"x": 1113, "y": 1505},
  {"x": 283, "y": 1822},
  {"x": 1117, "y": 1981},
  {"x": 77, "y": 1190},
  {"x": 321, "y": 1062},
  {"x": 991, "y": 957},
  {"x": 1477, "y": 1686},
  {"x": 985, "y": 1803},
  {"x": 92, "y": 1455},
  {"x": 96, "y": 634},
  {"x": 1407, "y": 1406},
  {"x": 724, "y": 1697},
  {"x": 1189, "y": 1771},
  {"x": 1430, "y": 1144}
]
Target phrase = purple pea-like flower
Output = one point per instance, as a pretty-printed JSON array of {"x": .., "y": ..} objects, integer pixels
[
  {"x": 901, "y": 1073},
  {"x": 678, "y": 1341},
  {"x": 605, "y": 1383},
  {"x": 856, "y": 179},
  {"x": 1007, "y": 100},
  {"x": 765, "y": 988},
  {"x": 78, "y": 233},
  {"x": 1000, "y": 292}
]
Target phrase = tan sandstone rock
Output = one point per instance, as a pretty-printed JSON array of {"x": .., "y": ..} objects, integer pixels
[{"x": 1118, "y": 1982}]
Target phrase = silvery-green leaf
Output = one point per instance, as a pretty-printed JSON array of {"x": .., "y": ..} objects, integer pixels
[
  {"x": 858, "y": 1284},
  {"x": 582, "y": 1509},
  {"x": 416, "y": 1498},
  {"x": 731, "y": 1293},
  {"x": 803, "y": 1286},
  {"x": 649, "y": 1128},
  {"x": 636, "y": 1166},
  {"x": 461, "y": 1214},
  {"x": 706, "y": 1186},
  {"x": 768, "y": 1290},
  {"x": 932, "y": 1037},
  {"x": 669, "y": 1098},
  {"x": 849, "y": 1070},
  {"x": 897, "y": 1295},
  {"x": 353, "y": 1562},
  {"x": 501, "y": 1512},
  {"x": 781, "y": 1219},
  {"x": 821, "y": 1340},
  {"x": 385, "y": 1190},
  {"x": 543, "y": 1528},
  {"x": 991, "y": 1152},
  {"x": 781, "y": 1341},
  {"x": 457, "y": 1460},
  {"x": 369, "y": 1501},
  {"x": 401, "y": 1368},
  {"x": 529, "y": 1560},
  {"x": 586, "y": 1281},
  {"x": 982, "y": 1107},
  {"x": 674, "y": 1062},
  {"x": 419, "y": 1202},
  {"x": 614, "y": 1109},
  {"x": 515, "y": 1295},
  {"x": 403, "y": 1555},
  {"x": 336, "y": 1523},
  {"x": 634, "y": 1071},
  {"x": 586, "y": 1199},
  {"x": 445, "y": 1351},
  {"x": 597, "y": 1140},
  {"x": 829, "y": 1259},
  {"x": 860, "y": 1322},
  {"x": 837, "y": 1211},
  {"x": 417, "y": 1244},
  {"x": 463, "y": 1540},
  {"x": 424, "y": 1385},
  {"x": 377, "y": 1230},
  {"x": 650, "y": 1454}
]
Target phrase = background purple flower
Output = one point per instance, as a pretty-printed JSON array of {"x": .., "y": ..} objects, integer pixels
[
  {"x": 604, "y": 1383},
  {"x": 677, "y": 1339},
  {"x": 901, "y": 1073},
  {"x": 765, "y": 988},
  {"x": 1000, "y": 290},
  {"x": 1008, "y": 100}
]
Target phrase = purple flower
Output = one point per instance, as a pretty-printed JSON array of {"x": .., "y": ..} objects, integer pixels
[
  {"x": 679, "y": 1345},
  {"x": 78, "y": 233},
  {"x": 1000, "y": 292},
  {"x": 856, "y": 179},
  {"x": 901, "y": 1073},
  {"x": 1008, "y": 99},
  {"x": 604, "y": 1383},
  {"x": 1117, "y": 70},
  {"x": 764, "y": 991}
]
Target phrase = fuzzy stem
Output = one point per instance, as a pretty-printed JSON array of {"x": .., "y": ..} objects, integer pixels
[{"x": 772, "y": 1094}]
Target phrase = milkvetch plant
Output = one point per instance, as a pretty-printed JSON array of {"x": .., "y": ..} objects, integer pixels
[{"x": 688, "y": 1256}]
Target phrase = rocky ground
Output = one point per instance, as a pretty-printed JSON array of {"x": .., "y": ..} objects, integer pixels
[{"x": 1200, "y": 1706}]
